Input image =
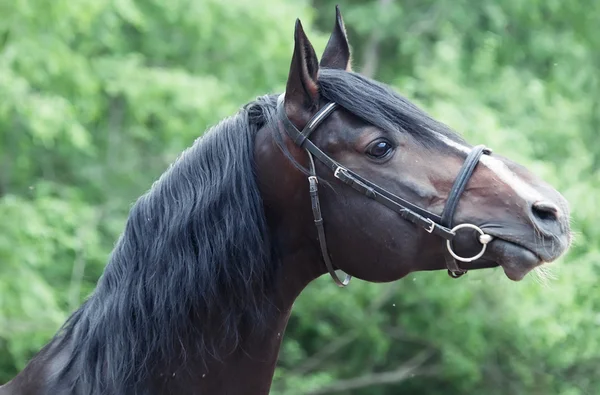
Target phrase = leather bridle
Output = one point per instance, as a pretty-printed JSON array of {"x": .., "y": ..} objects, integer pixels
[{"x": 441, "y": 226}]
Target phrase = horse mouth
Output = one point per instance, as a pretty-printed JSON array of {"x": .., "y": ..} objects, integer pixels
[{"x": 515, "y": 259}]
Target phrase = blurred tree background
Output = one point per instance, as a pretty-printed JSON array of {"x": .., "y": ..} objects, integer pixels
[{"x": 98, "y": 97}]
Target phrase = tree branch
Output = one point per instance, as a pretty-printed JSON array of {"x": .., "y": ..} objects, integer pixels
[
  {"x": 331, "y": 348},
  {"x": 79, "y": 264},
  {"x": 371, "y": 53},
  {"x": 408, "y": 370},
  {"x": 116, "y": 117}
]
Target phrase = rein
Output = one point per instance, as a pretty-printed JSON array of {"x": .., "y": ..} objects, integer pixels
[{"x": 432, "y": 223}]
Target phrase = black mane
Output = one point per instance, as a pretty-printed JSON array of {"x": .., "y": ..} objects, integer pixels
[
  {"x": 195, "y": 253},
  {"x": 380, "y": 105}
]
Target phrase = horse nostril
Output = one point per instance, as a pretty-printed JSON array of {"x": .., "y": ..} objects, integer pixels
[{"x": 546, "y": 211}]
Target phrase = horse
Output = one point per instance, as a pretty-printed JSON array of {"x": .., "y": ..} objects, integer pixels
[{"x": 339, "y": 174}]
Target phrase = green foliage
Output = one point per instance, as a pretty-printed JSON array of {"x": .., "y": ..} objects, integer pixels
[{"x": 98, "y": 97}]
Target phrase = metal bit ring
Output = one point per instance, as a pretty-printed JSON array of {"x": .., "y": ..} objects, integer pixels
[{"x": 484, "y": 239}]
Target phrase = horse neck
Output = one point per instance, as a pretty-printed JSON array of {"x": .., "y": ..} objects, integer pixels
[
  {"x": 253, "y": 362},
  {"x": 247, "y": 369}
]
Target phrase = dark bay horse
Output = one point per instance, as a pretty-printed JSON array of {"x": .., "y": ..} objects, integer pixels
[{"x": 339, "y": 173}]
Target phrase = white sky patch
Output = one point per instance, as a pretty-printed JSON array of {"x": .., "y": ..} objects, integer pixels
[{"x": 507, "y": 176}]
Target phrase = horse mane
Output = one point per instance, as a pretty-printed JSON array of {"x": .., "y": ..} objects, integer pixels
[
  {"x": 379, "y": 105},
  {"x": 195, "y": 254}
]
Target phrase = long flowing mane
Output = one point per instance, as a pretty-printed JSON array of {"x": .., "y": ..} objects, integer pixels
[{"x": 195, "y": 254}]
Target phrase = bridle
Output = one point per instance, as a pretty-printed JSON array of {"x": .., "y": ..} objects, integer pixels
[{"x": 441, "y": 226}]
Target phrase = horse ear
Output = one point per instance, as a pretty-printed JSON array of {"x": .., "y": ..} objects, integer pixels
[
  {"x": 302, "y": 91},
  {"x": 337, "y": 52}
]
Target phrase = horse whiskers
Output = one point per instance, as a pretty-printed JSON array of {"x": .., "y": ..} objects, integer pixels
[
  {"x": 575, "y": 237},
  {"x": 543, "y": 275}
]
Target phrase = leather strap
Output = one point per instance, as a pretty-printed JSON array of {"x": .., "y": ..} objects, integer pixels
[
  {"x": 318, "y": 217},
  {"x": 460, "y": 183},
  {"x": 301, "y": 137}
]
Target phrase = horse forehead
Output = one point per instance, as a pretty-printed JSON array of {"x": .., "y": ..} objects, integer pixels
[
  {"x": 500, "y": 170},
  {"x": 339, "y": 130}
]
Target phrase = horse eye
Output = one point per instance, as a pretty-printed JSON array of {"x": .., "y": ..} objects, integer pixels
[{"x": 379, "y": 149}]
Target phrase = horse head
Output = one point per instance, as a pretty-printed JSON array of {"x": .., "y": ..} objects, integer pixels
[{"x": 393, "y": 190}]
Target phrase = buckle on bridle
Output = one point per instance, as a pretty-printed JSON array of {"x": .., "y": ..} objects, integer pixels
[
  {"x": 337, "y": 172},
  {"x": 431, "y": 226},
  {"x": 313, "y": 183}
]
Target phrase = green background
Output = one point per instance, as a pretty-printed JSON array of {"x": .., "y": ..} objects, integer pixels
[{"x": 98, "y": 97}]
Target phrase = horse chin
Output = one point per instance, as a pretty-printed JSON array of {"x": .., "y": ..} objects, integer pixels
[{"x": 516, "y": 260}]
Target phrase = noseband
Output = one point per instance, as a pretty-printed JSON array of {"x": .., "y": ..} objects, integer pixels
[{"x": 441, "y": 226}]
